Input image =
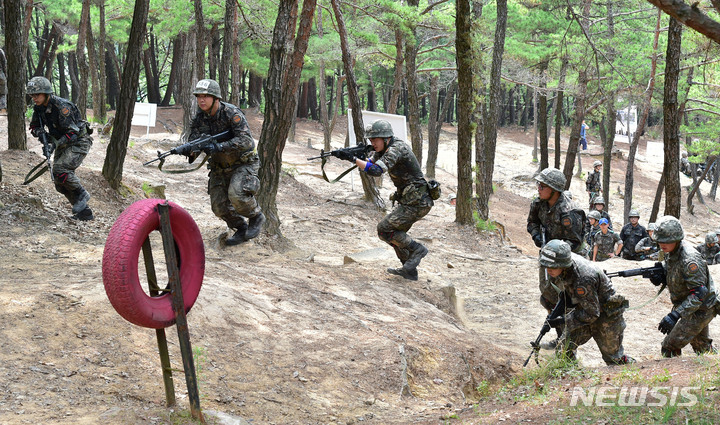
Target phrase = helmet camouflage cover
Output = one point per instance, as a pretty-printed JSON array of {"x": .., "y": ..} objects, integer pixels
[
  {"x": 711, "y": 237},
  {"x": 595, "y": 214},
  {"x": 556, "y": 254},
  {"x": 208, "y": 86},
  {"x": 553, "y": 178},
  {"x": 380, "y": 128},
  {"x": 634, "y": 213},
  {"x": 39, "y": 85},
  {"x": 596, "y": 163},
  {"x": 669, "y": 230},
  {"x": 599, "y": 200}
]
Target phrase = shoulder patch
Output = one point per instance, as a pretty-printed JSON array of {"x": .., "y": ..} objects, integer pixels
[
  {"x": 692, "y": 267},
  {"x": 65, "y": 111},
  {"x": 567, "y": 222},
  {"x": 580, "y": 291},
  {"x": 236, "y": 118}
]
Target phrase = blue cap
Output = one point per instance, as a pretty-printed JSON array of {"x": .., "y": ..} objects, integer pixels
[{"x": 604, "y": 221}]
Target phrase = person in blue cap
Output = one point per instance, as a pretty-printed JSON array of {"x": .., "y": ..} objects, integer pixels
[{"x": 605, "y": 241}]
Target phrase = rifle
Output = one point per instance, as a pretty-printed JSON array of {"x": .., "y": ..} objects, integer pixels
[
  {"x": 558, "y": 311},
  {"x": 656, "y": 272},
  {"x": 359, "y": 151},
  {"x": 196, "y": 145},
  {"x": 48, "y": 148}
]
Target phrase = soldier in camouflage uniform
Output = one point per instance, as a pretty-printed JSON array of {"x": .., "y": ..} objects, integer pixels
[
  {"x": 593, "y": 184},
  {"x": 604, "y": 243},
  {"x": 647, "y": 247},
  {"x": 631, "y": 234},
  {"x": 553, "y": 215},
  {"x": 710, "y": 249},
  {"x": 593, "y": 309},
  {"x": 233, "y": 164},
  {"x": 600, "y": 207},
  {"x": 396, "y": 158},
  {"x": 70, "y": 140},
  {"x": 593, "y": 227},
  {"x": 692, "y": 292}
]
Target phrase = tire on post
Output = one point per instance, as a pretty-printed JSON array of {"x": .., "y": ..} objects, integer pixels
[{"x": 121, "y": 259}]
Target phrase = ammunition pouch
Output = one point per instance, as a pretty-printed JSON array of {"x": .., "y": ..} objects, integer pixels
[{"x": 434, "y": 189}]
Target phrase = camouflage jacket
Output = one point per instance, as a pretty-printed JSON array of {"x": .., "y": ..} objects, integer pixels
[
  {"x": 62, "y": 119},
  {"x": 593, "y": 184},
  {"x": 590, "y": 291},
  {"x": 239, "y": 147},
  {"x": 605, "y": 242},
  {"x": 400, "y": 163},
  {"x": 631, "y": 235},
  {"x": 686, "y": 271},
  {"x": 590, "y": 232},
  {"x": 564, "y": 220},
  {"x": 646, "y": 242},
  {"x": 708, "y": 252}
]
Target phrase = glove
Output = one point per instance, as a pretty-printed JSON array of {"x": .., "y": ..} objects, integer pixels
[
  {"x": 212, "y": 148},
  {"x": 48, "y": 149},
  {"x": 344, "y": 155},
  {"x": 185, "y": 149},
  {"x": 36, "y": 131},
  {"x": 537, "y": 238},
  {"x": 668, "y": 322},
  {"x": 556, "y": 321},
  {"x": 658, "y": 279}
]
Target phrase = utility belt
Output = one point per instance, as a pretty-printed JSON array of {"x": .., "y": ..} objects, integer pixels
[{"x": 245, "y": 158}]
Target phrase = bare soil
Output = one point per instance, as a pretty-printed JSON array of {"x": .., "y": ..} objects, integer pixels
[{"x": 307, "y": 328}]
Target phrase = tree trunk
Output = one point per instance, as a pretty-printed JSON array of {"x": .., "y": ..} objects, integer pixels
[
  {"x": 254, "y": 90},
  {"x": 658, "y": 199},
  {"x": 280, "y": 102},
  {"x": 391, "y": 107},
  {"x": 61, "y": 75},
  {"x": 558, "y": 110},
  {"x": 101, "y": 112},
  {"x": 671, "y": 127},
  {"x": 313, "y": 99},
  {"x": 174, "y": 70},
  {"x": 97, "y": 94},
  {"x": 229, "y": 36},
  {"x": 83, "y": 67},
  {"x": 575, "y": 130},
  {"x": 437, "y": 115},
  {"x": 113, "y": 80},
  {"x": 411, "y": 50},
  {"x": 16, "y": 70},
  {"x": 44, "y": 66},
  {"x": 186, "y": 81},
  {"x": 372, "y": 99},
  {"x": 213, "y": 50},
  {"x": 464, "y": 58},
  {"x": 74, "y": 78},
  {"x": 200, "y": 41},
  {"x": 542, "y": 118},
  {"x": 608, "y": 143},
  {"x": 117, "y": 146}
]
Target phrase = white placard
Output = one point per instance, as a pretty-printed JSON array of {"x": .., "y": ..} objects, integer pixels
[
  {"x": 654, "y": 149},
  {"x": 145, "y": 115},
  {"x": 396, "y": 121}
]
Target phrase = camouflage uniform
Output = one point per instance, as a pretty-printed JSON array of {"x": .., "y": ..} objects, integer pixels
[
  {"x": 630, "y": 236},
  {"x": 414, "y": 201},
  {"x": 708, "y": 252},
  {"x": 687, "y": 271},
  {"x": 593, "y": 184},
  {"x": 69, "y": 133},
  {"x": 233, "y": 171},
  {"x": 606, "y": 244},
  {"x": 648, "y": 242},
  {"x": 597, "y": 312}
]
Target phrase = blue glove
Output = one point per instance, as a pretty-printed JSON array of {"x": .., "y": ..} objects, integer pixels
[{"x": 668, "y": 322}]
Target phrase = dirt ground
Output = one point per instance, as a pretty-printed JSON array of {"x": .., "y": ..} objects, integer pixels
[{"x": 308, "y": 329}]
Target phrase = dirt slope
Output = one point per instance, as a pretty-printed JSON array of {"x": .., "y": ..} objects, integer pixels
[{"x": 288, "y": 331}]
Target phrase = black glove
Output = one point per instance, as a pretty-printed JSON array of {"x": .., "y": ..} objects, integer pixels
[
  {"x": 668, "y": 322},
  {"x": 658, "y": 278},
  {"x": 537, "y": 238},
  {"x": 185, "y": 149},
  {"x": 556, "y": 321},
  {"x": 48, "y": 148},
  {"x": 36, "y": 131},
  {"x": 344, "y": 155},
  {"x": 212, "y": 148}
]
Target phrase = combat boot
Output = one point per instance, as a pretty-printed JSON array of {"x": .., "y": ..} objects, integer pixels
[
  {"x": 255, "y": 226},
  {"x": 81, "y": 199},
  {"x": 407, "y": 274},
  {"x": 84, "y": 215},
  {"x": 417, "y": 252},
  {"x": 239, "y": 236},
  {"x": 549, "y": 345}
]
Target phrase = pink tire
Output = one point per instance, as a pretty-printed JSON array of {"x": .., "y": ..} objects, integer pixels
[{"x": 121, "y": 258}]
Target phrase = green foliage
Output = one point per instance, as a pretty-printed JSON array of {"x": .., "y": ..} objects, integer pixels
[{"x": 483, "y": 225}]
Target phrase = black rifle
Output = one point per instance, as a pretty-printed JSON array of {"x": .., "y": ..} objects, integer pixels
[
  {"x": 656, "y": 272},
  {"x": 359, "y": 151},
  {"x": 48, "y": 146},
  {"x": 558, "y": 311},
  {"x": 196, "y": 145}
]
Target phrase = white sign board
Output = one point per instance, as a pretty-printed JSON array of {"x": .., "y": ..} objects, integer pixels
[
  {"x": 396, "y": 121},
  {"x": 654, "y": 149},
  {"x": 144, "y": 114}
]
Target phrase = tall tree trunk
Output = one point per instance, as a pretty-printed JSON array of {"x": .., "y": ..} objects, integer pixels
[
  {"x": 101, "y": 112},
  {"x": 117, "y": 147},
  {"x": 74, "y": 77},
  {"x": 391, "y": 107},
  {"x": 16, "y": 70},
  {"x": 186, "y": 81},
  {"x": 671, "y": 127},
  {"x": 542, "y": 117},
  {"x": 174, "y": 70},
  {"x": 44, "y": 66},
  {"x": 575, "y": 130},
  {"x": 558, "y": 110},
  {"x": 411, "y": 50},
  {"x": 312, "y": 99},
  {"x": 61, "y": 73},
  {"x": 200, "y": 41},
  {"x": 113, "y": 79},
  {"x": 82, "y": 64},
  {"x": 485, "y": 174},
  {"x": 229, "y": 36},
  {"x": 254, "y": 90},
  {"x": 280, "y": 101},
  {"x": 437, "y": 115},
  {"x": 97, "y": 95},
  {"x": 213, "y": 50},
  {"x": 464, "y": 58},
  {"x": 608, "y": 143}
]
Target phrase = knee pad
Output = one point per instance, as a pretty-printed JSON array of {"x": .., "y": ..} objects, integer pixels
[
  {"x": 60, "y": 178},
  {"x": 386, "y": 236}
]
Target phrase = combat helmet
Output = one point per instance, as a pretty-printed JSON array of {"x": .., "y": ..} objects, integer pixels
[
  {"x": 552, "y": 177},
  {"x": 208, "y": 86},
  {"x": 556, "y": 254},
  {"x": 595, "y": 214},
  {"x": 38, "y": 85},
  {"x": 596, "y": 163},
  {"x": 652, "y": 227},
  {"x": 599, "y": 200},
  {"x": 669, "y": 230},
  {"x": 634, "y": 213},
  {"x": 380, "y": 128},
  {"x": 711, "y": 237}
]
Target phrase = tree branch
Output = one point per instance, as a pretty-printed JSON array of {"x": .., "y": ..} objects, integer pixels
[{"x": 690, "y": 16}]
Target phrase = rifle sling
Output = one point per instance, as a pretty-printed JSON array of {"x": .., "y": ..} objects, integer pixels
[
  {"x": 336, "y": 179},
  {"x": 650, "y": 300},
  {"x": 181, "y": 170},
  {"x": 30, "y": 177}
]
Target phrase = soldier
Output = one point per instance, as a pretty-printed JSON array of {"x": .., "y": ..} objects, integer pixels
[
  {"x": 631, "y": 234},
  {"x": 692, "y": 292},
  {"x": 593, "y": 184},
  {"x": 396, "y": 158},
  {"x": 593, "y": 226},
  {"x": 647, "y": 247},
  {"x": 70, "y": 140},
  {"x": 685, "y": 165},
  {"x": 233, "y": 165},
  {"x": 599, "y": 206},
  {"x": 710, "y": 249},
  {"x": 605, "y": 240},
  {"x": 593, "y": 309},
  {"x": 553, "y": 215}
]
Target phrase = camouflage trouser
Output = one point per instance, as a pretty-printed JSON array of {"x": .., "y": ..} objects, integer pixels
[
  {"x": 66, "y": 160},
  {"x": 692, "y": 329},
  {"x": 394, "y": 226},
  {"x": 607, "y": 331},
  {"x": 232, "y": 193}
]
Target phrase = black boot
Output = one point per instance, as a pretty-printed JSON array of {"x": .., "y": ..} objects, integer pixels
[
  {"x": 84, "y": 215},
  {"x": 239, "y": 236},
  {"x": 407, "y": 274},
  {"x": 80, "y": 200},
  {"x": 417, "y": 252},
  {"x": 255, "y": 226}
]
